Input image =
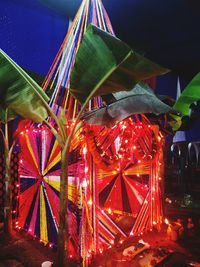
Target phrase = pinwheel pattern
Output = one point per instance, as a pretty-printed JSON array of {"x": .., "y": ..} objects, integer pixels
[
  {"x": 127, "y": 161},
  {"x": 39, "y": 185}
]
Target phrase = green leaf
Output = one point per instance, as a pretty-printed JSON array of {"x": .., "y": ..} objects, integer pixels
[
  {"x": 175, "y": 121},
  {"x": 19, "y": 92},
  {"x": 140, "y": 100},
  {"x": 62, "y": 117},
  {"x": 11, "y": 115},
  {"x": 189, "y": 95},
  {"x": 104, "y": 64}
]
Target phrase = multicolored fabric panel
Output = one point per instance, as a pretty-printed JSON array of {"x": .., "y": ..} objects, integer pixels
[
  {"x": 129, "y": 195},
  {"x": 40, "y": 184}
]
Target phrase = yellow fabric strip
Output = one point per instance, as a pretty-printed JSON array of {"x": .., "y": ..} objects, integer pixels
[
  {"x": 140, "y": 169},
  {"x": 54, "y": 184},
  {"x": 31, "y": 151},
  {"x": 43, "y": 218},
  {"x": 53, "y": 149},
  {"x": 55, "y": 160},
  {"x": 55, "y": 145},
  {"x": 73, "y": 191}
]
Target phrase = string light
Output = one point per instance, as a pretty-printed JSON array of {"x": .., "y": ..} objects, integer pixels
[
  {"x": 89, "y": 202},
  {"x": 123, "y": 150},
  {"x": 166, "y": 221},
  {"x": 84, "y": 183},
  {"x": 84, "y": 150},
  {"x": 109, "y": 211},
  {"x": 100, "y": 17}
]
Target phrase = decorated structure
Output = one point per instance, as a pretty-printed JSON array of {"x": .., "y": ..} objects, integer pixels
[{"x": 115, "y": 173}]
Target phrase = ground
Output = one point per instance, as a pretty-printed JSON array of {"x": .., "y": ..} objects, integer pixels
[
  {"x": 177, "y": 253},
  {"x": 20, "y": 250}
]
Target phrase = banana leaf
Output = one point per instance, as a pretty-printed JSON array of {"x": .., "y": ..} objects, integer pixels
[
  {"x": 105, "y": 64},
  {"x": 189, "y": 95},
  {"x": 175, "y": 121},
  {"x": 140, "y": 100},
  {"x": 10, "y": 115},
  {"x": 19, "y": 93}
]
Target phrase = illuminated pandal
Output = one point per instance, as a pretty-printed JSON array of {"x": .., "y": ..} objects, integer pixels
[
  {"x": 125, "y": 178},
  {"x": 114, "y": 173}
]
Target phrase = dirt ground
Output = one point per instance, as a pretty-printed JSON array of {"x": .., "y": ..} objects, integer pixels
[
  {"x": 20, "y": 250},
  {"x": 184, "y": 250}
]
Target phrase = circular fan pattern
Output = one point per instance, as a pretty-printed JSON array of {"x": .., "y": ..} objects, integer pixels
[{"x": 40, "y": 184}]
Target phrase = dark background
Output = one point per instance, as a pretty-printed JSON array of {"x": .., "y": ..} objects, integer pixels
[{"x": 31, "y": 32}]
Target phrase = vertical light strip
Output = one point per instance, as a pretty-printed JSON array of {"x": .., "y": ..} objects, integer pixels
[
  {"x": 98, "y": 14},
  {"x": 44, "y": 142},
  {"x": 108, "y": 23},
  {"x": 43, "y": 217},
  {"x": 94, "y": 199},
  {"x": 70, "y": 42},
  {"x": 52, "y": 215},
  {"x": 102, "y": 17}
]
